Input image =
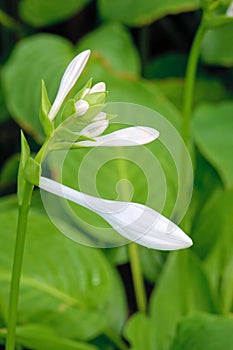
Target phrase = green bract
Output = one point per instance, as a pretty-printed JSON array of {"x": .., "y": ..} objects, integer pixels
[
  {"x": 44, "y": 111},
  {"x": 32, "y": 171}
]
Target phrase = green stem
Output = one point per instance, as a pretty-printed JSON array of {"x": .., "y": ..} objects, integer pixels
[
  {"x": 17, "y": 265},
  {"x": 138, "y": 281},
  {"x": 190, "y": 79},
  {"x": 9, "y": 22}
]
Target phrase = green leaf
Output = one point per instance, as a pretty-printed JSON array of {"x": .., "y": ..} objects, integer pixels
[
  {"x": 114, "y": 42},
  {"x": 40, "y": 13},
  {"x": 212, "y": 129},
  {"x": 212, "y": 22},
  {"x": 117, "y": 255},
  {"x": 37, "y": 337},
  {"x": 138, "y": 13},
  {"x": 182, "y": 289},
  {"x": 152, "y": 262},
  {"x": 207, "y": 332},
  {"x": 227, "y": 287},
  {"x": 213, "y": 237},
  {"x": 9, "y": 171},
  {"x": 213, "y": 223},
  {"x": 66, "y": 286},
  {"x": 7, "y": 203},
  {"x": 167, "y": 66},
  {"x": 217, "y": 46},
  {"x": 206, "y": 183},
  {"x": 132, "y": 89},
  {"x": 206, "y": 89},
  {"x": 140, "y": 332},
  {"x": 42, "y": 56}
]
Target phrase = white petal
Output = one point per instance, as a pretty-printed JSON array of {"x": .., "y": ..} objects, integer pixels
[
  {"x": 134, "y": 221},
  {"x": 94, "y": 129},
  {"x": 99, "y": 87},
  {"x": 100, "y": 116},
  {"x": 133, "y": 136},
  {"x": 68, "y": 80},
  {"x": 229, "y": 12},
  {"x": 81, "y": 107}
]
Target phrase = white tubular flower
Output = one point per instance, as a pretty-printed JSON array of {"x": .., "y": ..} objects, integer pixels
[
  {"x": 95, "y": 129},
  {"x": 81, "y": 107},
  {"x": 229, "y": 12},
  {"x": 133, "y": 136},
  {"x": 133, "y": 221},
  {"x": 68, "y": 80},
  {"x": 99, "y": 87}
]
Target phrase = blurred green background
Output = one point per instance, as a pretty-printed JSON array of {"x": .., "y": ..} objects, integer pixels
[{"x": 74, "y": 297}]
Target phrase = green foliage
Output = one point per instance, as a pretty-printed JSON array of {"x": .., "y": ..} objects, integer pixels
[
  {"x": 204, "y": 332},
  {"x": 207, "y": 89},
  {"x": 152, "y": 262},
  {"x": 132, "y": 89},
  {"x": 138, "y": 13},
  {"x": 37, "y": 337},
  {"x": 212, "y": 129},
  {"x": 217, "y": 46},
  {"x": 63, "y": 283},
  {"x": 213, "y": 222},
  {"x": 8, "y": 174},
  {"x": 41, "y": 13},
  {"x": 218, "y": 260},
  {"x": 166, "y": 66},
  {"x": 72, "y": 296},
  {"x": 183, "y": 288},
  {"x": 29, "y": 63},
  {"x": 140, "y": 332},
  {"x": 113, "y": 42}
]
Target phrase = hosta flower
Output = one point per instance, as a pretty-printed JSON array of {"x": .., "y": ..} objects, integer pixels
[
  {"x": 134, "y": 221},
  {"x": 133, "y": 136},
  {"x": 69, "y": 78}
]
